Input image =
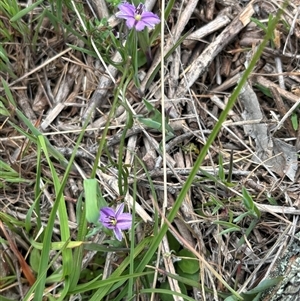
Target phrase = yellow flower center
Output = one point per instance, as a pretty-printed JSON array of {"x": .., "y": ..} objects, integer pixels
[
  {"x": 113, "y": 221},
  {"x": 138, "y": 17}
]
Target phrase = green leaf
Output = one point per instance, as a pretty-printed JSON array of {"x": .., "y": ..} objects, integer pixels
[
  {"x": 247, "y": 199},
  {"x": 94, "y": 200},
  {"x": 2, "y": 298},
  {"x": 230, "y": 227},
  {"x": 81, "y": 233},
  {"x": 264, "y": 90},
  {"x": 34, "y": 260},
  {"x": 271, "y": 200},
  {"x": 264, "y": 285},
  {"x": 194, "y": 277},
  {"x": 249, "y": 204},
  {"x": 62, "y": 208},
  {"x": 231, "y": 298},
  {"x": 155, "y": 122},
  {"x": 255, "y": 294},
  {"x": 8, "y": 93},
  {"x": 188, "y": 263},
  {"x": 3, "y": 110},
  {"x": 173, "y": 242},
  {"x": 58, "y": 245},
  {"x": 240, "y": 217},
  {"x": 294, "y": 119},
  {"x": 259, "y": 24},
  {"x": 25, "y": 11},
  {"x": 221, "y": 169}
]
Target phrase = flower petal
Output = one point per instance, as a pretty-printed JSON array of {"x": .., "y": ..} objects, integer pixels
[
  {"x": 150, "y": 19},
  {"x": 106, "y": 222},
  {"x": 108, "y": 225},
  {"x": 124, "y": 221},
  {"x": 147, "y": 19},
  {"x": 118, "y": 234},
  {"x": 126, "y": 11},
  {"x": 106, "y": 214},
  {"x": 139, "y": 26},
  {"x": 107, "y": 211},
  {"x": 119, "y": 210},
  {"x": 130, "y": 22}
]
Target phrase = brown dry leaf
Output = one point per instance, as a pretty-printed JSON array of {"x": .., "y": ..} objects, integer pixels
[{"x": 279, "y": 156}]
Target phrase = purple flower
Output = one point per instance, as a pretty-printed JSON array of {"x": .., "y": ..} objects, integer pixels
[
  {"x": 115, "y": 220},
  {"x": 137, "y": 17}
]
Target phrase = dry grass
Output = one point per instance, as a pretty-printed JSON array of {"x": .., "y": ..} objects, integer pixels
[{"x": 56, "y": 87}]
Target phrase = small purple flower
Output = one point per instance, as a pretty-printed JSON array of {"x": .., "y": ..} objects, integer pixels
[
  {"x": 137, "y": 17},
  {"x": 115, "y": 220}
]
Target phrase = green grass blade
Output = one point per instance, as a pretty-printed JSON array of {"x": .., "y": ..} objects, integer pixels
[
  {"x": 166, "y": 292},
  {"x": 25, "y": 11},
  {"x": 102, "y": 292},
  {"x": 81, "y": 233},
  {"x": 8, "y": 93},
  {"x": 62, "y": 210}
]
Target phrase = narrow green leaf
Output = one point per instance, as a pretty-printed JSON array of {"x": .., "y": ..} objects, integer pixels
[
  {"x": 62, "y": 213},
  {"x": 264, "y": 285},
  {"x": 259, "y": 24},
  {"x": 102, "y": 284},
  {"x": 102, "y": 292},
  {"x": 228, "y": 225},
  {"x": 294, "y": 119},
  {"x": 2, "y": 298},
  {"x": 168, "y": 292},
  {"x": 264, "y": 90},
  {"x": 8, "y": 93},
  {"x": 34, "y": 259},
  {"x": 247, "y": 199},
  {"x": 54, "y": 152},
  {"x": 59, "y": 245},
  {"x": 25, "y": 11},
  {"x": 78, "y": 253},
  {"x": 94, "y": 200},
  {"x": 221, "y": 168}
]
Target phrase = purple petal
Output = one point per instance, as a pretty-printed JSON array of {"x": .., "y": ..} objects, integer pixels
[
  {"x": 140, "y": 25},
  {"x": 118, "y": 234},
  {"x": 107, "y": 211},
  {"x": 150, "y": 19},
  {"x": 106, "y": 214},
  {"x": 126, "y": 11},
  {"x": 119, "y": 210},
  {"x": 107, "y": 224},
  {"x": 124, "y": 221},
  {"x": 130, "y": 22}
]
